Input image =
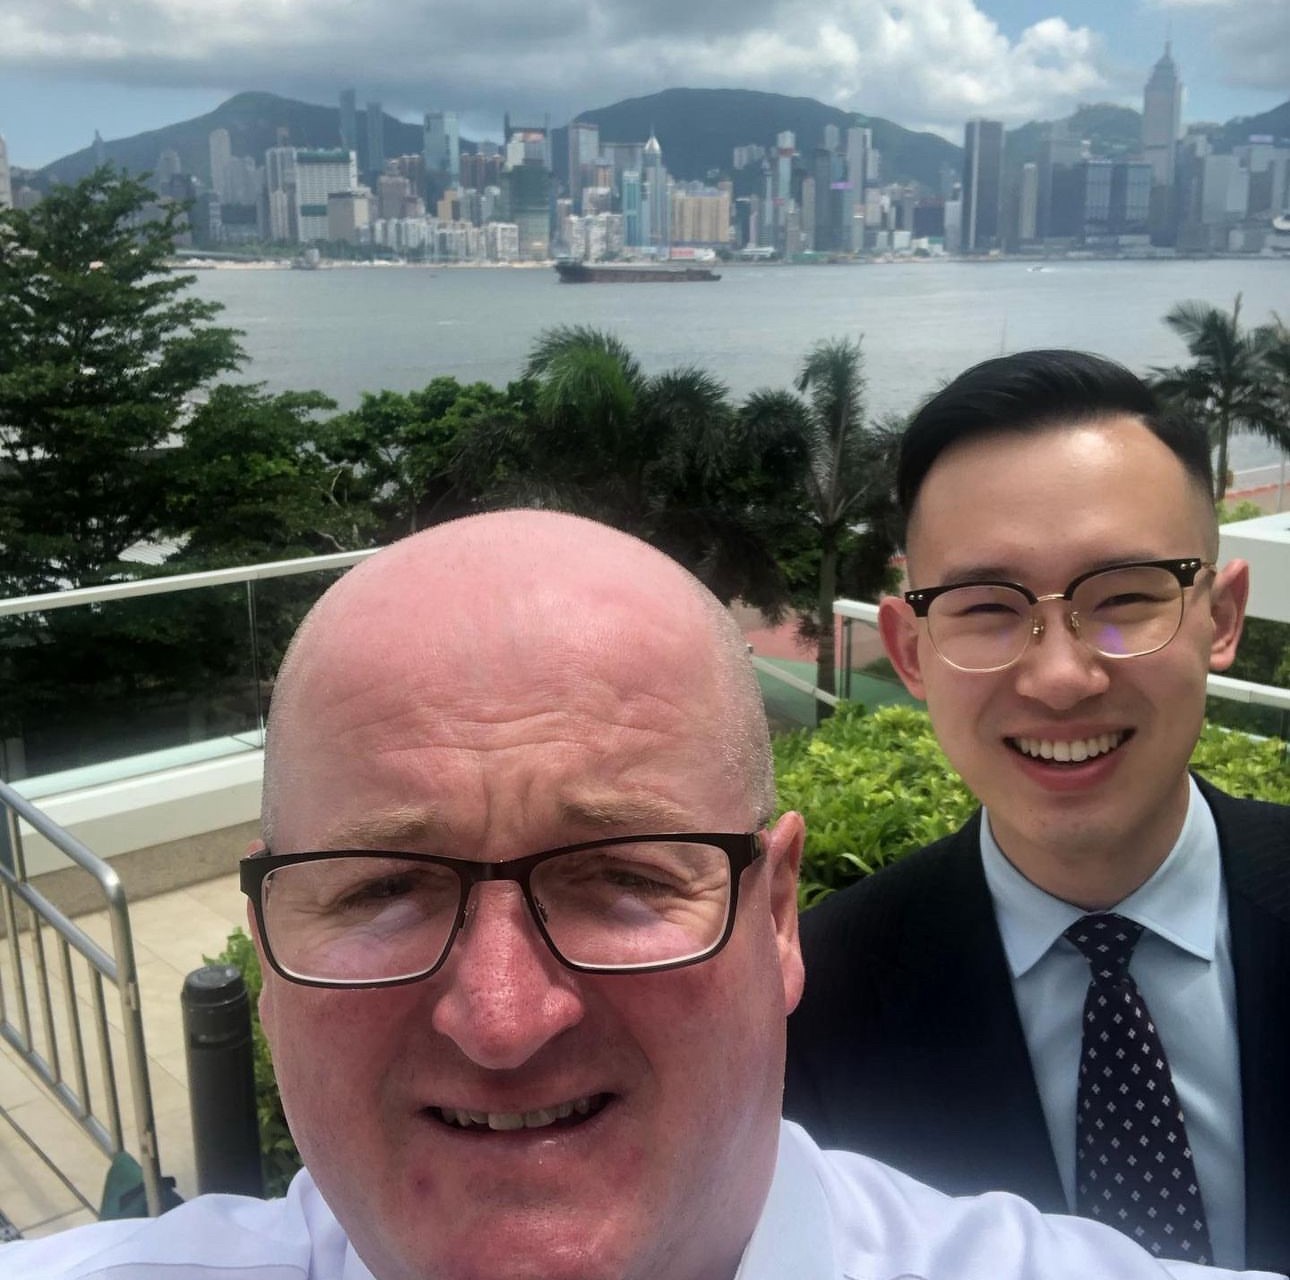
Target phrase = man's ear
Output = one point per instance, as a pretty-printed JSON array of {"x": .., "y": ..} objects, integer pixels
[
  {"x": 1228, "y": 597},
  {"x": 898, "y": 628},
  {"x": 784, "y": 843}
]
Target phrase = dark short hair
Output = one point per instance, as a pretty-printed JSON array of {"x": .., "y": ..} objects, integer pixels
[{"x": 1030, "y": 391}]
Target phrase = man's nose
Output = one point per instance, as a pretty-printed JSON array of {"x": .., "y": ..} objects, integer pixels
[
  {"x": 502, "y": 994},
  {"x": 1058, "y": 668}
]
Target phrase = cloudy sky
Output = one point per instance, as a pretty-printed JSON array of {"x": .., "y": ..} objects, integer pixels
[{"x": 68, "y": 67}]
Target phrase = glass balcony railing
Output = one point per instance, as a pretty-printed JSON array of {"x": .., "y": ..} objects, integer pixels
[
  {"x": 108, "y": 682},
  {"x": 162, "y": 671}
]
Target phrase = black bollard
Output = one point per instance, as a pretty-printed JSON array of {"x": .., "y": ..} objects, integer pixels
[{"x": 221, "y": 1080}]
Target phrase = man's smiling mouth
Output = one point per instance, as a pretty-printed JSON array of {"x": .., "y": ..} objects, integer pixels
[
  {"x": 564, "y": 1114},
  {"x": 1070, "y": 750}
]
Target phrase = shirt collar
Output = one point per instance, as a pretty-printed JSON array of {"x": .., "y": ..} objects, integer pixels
[
  {"x": 1180, "y": 902},
  {"x": 794, "y": 1235}
]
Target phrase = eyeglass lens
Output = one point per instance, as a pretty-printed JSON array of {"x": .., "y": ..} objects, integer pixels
[
  {"x": 1120, "y": 613},
  {"x": 385, "y": 917}
]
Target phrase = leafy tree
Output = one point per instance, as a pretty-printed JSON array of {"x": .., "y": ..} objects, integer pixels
[
  {"x": 1228, "y": 384},
  {"x": 1276, "y": 359},
  {"x": 100, "y": 354},
  {"x": 663, "y": 457},
  {"x": 843, "y": 469},
  {"x": 248, "y": 483},
  {"x": 396, "y": 456}
]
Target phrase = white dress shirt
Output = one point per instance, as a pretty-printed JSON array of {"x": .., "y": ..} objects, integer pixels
[
  {"x": 1183, "y": 967},
  {"x": 830, "y": 1215}
]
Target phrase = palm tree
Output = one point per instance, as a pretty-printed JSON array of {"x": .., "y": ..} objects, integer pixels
[
  {"x": 659, "y": 456},
  {"x": 1228, "y": 384},
  {"x": 841, "y": 467}
]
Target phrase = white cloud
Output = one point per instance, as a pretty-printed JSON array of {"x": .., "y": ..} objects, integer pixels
[
  {"x": 928, "y": 63},
  {"x": 1250, "y": 37}
]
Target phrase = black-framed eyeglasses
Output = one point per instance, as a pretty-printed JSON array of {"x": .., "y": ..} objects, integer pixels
[
  {"x": 371, "y": 918},
  {"x": 1124, "y": 611}
]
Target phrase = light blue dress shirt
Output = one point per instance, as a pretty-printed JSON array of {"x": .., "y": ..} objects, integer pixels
[{"x": 1183, "y": 967}]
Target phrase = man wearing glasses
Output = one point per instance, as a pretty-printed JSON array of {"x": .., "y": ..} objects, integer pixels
[
  {"x": 1079, "y": 997},
  {"x": 530, "y": 939}
]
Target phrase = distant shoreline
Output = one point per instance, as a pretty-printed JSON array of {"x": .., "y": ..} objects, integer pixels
[{"x": 1031, "y": 262}]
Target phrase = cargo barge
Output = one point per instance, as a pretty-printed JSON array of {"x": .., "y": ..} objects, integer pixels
[{"x": 633, "y": 272}]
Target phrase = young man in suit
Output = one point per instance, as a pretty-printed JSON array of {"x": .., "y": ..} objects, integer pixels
[{"x": 1080, "y": 996}]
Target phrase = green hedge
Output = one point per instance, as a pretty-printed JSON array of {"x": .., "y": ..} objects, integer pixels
[{"x": 873, "y": 787}]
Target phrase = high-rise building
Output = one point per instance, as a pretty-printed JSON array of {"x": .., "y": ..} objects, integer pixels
[
  {"x": 858, "y": 151},
  {"x": 221, "y": 153},
  {"x": 1059, "y": 154},
  {"x": 1131, "y": 182},
  {"x": 442, "y": 144},
  {"x": 375, "y": 155},
  {"x": 320, "y": 174},
  {"x": 624, "y": 156},
  {"x": 631, "y": 205},
  {"x": 1028, "y": 203},
  {"x": 526, "y": 201},
  {"x": 982, "y": 186},
  {"x": 348, "y": 121},
  {"x": 700, "y": 216},
  {"x": 584, "y": 147},
  {"x": 1162, "y": 119},
  {"x": 6, "y": 186},
  {"x": 654, "y": 175}
]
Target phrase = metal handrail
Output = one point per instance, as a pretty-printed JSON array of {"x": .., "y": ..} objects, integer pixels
[
  {"x": 164, "y": 584},
  {"x": 46, "y": 1057}
]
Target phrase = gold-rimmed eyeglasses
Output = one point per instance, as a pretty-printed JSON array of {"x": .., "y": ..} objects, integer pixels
[{"x": 1124, "y": 611}]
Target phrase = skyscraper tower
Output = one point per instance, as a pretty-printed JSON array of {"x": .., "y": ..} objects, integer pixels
[
  {"x": 221, "y": 153},
  {"x": 584, "y": 147},
  {"x": 656, "y": 177},
  {"x": 375, "y": 120},
  {"x": 348, "y": 121},
  {"x": 1162, "y": 119},
  {"x": 983, "y": 186}
]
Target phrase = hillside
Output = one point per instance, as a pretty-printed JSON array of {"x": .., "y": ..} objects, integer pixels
[
  {"x": 1111, "y": 131},
  {"x": 255, "y": 122},
  {"x": 698, "y": 130},
  {"x": 1274, "y": 123}
]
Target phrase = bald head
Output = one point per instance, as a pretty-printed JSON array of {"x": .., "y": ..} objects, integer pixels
[{"x": 519, "y": 610}]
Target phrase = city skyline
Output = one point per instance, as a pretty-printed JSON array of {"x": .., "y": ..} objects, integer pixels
[{"x": 928, "y": 64}]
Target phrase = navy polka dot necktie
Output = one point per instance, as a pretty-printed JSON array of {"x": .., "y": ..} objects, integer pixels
[{"x": 1133, "y": 1164}]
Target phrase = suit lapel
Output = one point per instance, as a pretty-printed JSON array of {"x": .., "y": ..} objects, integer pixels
[
  {"x": 952, "y": 993},
  {"x": 1255, "y": 844}
]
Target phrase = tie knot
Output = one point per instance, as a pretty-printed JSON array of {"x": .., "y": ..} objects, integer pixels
[{"x": 1106, "y": 941}]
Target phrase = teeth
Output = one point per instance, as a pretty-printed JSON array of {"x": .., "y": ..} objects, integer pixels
[
  {"x": 509, "y": 1120},
  {"x": 1072, "y": 751}
]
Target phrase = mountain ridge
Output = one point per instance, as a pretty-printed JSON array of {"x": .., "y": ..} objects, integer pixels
[{"x": 697, "y": 129}]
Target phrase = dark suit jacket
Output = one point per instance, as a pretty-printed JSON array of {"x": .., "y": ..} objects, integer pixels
[{"x": 908, "y": 1046}]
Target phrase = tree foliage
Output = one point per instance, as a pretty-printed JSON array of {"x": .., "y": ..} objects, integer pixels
[
  {"x": 397, "y": 459},
  {"x": 1232, "y": 382},
  {"x": 101, "y": 351},
  {"x": 842, "y": 469},
  {"x": 660, "y": 456}
]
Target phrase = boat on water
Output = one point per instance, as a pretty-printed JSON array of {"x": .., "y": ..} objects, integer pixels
[
  {"x": 633, "y": 272},
  {"x": 1279, "y": 240}
]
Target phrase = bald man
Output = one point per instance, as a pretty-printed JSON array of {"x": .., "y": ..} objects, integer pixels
[{"x": 529, "y": 936}]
